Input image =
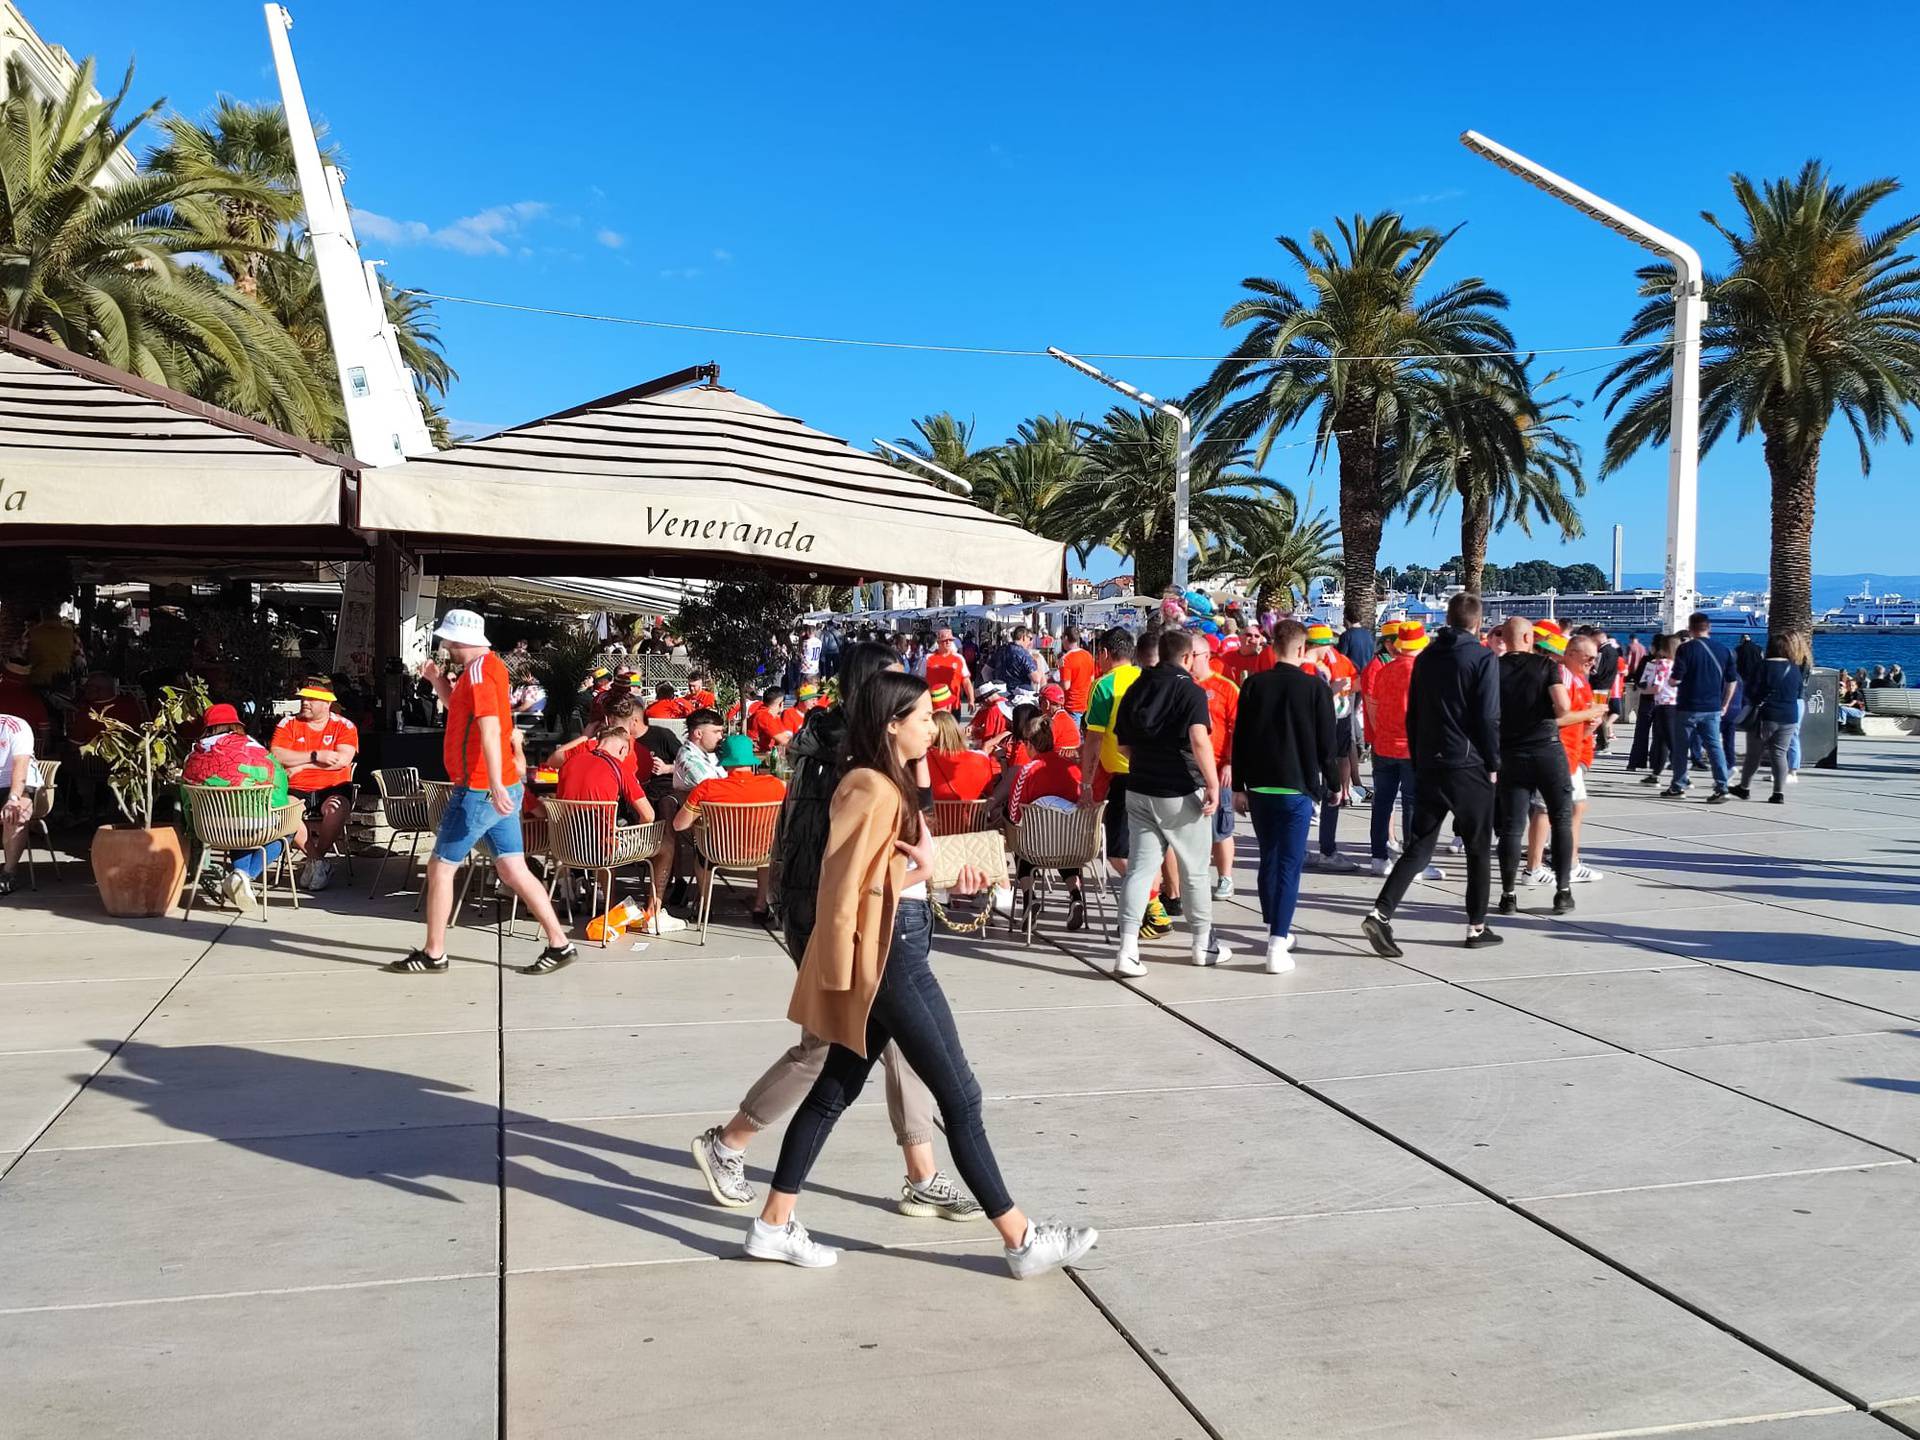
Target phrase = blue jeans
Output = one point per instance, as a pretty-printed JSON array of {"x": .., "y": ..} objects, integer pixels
[
  {"x": 1281, "y": 823},
  {"x": 911, "y": 1010},
  {"x": 1701, "y": 727},
  {"x": 1793, "y": 750},
  {"x": 1391, "y": 777},
  {"x": 253, "y": 863}
]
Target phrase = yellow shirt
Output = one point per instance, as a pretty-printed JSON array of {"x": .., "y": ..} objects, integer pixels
[{"x": 1102, "y": 706}]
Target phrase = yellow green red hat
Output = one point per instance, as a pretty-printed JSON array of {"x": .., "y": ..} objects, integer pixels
[
  {"x": 1547, "y": 636},
  {"x": 1318, "y": 634},
  {"x": 1411, "y": 638},
  {"x": 807, "y": 692},
  {"x": 1391, "y": 628},
  {"x": 941, "y": 694}
]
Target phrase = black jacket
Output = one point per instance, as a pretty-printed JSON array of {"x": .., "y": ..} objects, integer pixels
[
  {"x": 1283, "y": 733},
  {"x": 1453, "y": 706}
]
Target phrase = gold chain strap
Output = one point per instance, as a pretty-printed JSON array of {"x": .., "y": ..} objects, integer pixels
[{"x": 972, "y": 927}]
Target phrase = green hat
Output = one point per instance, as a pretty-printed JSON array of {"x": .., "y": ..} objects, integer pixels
[{"x": 736, "y": 751}]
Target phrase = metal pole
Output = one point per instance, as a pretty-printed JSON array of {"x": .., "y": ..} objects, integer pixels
[
  {"x": 1182, "y": 460},
  {"x": 1689, "y": 305}
]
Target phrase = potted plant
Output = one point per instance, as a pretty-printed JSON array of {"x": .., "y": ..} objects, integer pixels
[{"x": 139, "y": 865}]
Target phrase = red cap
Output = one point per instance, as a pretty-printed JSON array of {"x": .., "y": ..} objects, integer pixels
[
  {"x": 1055, "y": 694},
  {"x": 220, "y": 715}
]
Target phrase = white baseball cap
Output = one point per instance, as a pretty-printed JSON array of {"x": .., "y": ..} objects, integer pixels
[{"x": 462, "y": 627}]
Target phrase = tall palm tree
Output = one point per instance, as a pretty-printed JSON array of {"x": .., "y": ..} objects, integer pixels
[
  {"x": 947, "y": 441},
  {"x": 1818, "y": 317},
  {"x": 1499, "y": 450},
  {"x": 1123, "y": 495},
  {"x": 1029, "y": 473},
  {"x": 94, "y": 265},
  {"x": 1363, "y": 354},
  {"x": 236, "y": 141},
  {"x": 1282, "y": 558}
]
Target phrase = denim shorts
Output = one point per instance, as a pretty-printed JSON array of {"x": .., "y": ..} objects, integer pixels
[
  {"x": 1223, "y": 817},
  {"x": 471, "y": 819}
]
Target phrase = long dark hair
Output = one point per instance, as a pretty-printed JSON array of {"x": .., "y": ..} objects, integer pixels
[
  {"x": 883, "y": 699},
  {"x": 860, "y": 663}
]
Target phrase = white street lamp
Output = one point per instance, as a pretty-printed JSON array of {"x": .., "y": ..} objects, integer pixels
[
  {"x": 1689, "y": 307},
  {"x": 1182, "y": 462},
  {"x": 966, "y": 487}
]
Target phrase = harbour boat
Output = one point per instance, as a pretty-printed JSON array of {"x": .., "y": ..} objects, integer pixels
[{"x": 1883, "y": 611}]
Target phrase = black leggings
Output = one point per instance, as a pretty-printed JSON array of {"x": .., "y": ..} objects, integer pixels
[
  {"x": 1466, "y": 794},
  {"x": 911, "y": 1010}
]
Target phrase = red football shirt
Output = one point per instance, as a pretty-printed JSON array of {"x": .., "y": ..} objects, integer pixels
[{"x": 480, "y": 690}]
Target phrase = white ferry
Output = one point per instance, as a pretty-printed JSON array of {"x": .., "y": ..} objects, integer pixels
[{"x": 1886, "y": 610}]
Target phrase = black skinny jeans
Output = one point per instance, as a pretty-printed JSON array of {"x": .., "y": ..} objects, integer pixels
[
  {"x": 1466, "y": 794},
  {"x": 1521, "y": 774},
  {"x": 911, "y": 1010}
]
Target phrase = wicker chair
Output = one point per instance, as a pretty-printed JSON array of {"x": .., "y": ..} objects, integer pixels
[
  {"x": 403, "y": 805},
  {"x": 536, "y": 834},
  {"x": 959, "y": 817},
  {"x": 587, "y": 835},
  {"x": 1049, "y": 838},
  {"x": 733, "y": 839},
  {"x": 240, "y": 820},
  {"x": 42, "y": 807}
]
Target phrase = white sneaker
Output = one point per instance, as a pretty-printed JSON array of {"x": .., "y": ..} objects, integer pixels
[
  {"x": 1223, "y": 888},
  {"x": 1433, "y": 872},
  {"x": 1456, "y": 845},
  {"x": 1211, "y": 951},
  {"x": 316, "y": 875},
  {"x": 1129, "y": 965},
  {"x": 1586, "y": 875},
  {"x": 1279, "y": 954},
  {"x": 238, "y": 890},
  {"x": 1540, "y": 876},
  {"x": 1314, "y": 861},
  {"x": 1793, "y": 777},
  {"x": 726, "y": 1175},
  {"x": 789, "y": 1243},
  {"x": 1345, "y": 864},
  {"x": 1393, "y": 848},
  {"x": 1049, "y": 1245},
  {"x": 664, "y": 924},
  {"x": 1381, "y": 867}
]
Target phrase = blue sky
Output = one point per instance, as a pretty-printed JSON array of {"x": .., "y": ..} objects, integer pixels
[{"x": 1095, "y": 177}]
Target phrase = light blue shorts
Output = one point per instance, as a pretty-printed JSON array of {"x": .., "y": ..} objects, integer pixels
[{"x": 471, "y": 820}]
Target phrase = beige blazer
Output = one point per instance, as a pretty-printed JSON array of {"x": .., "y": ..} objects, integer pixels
[{"x": 861, "y": 876}]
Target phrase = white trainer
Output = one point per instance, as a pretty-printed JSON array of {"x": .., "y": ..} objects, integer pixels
[
  {"x": 1049, "y": 1246},
  {"x": 1344, "y": 864},
  {"x": 1279, "y": 954},
  {"x": 1211, "y": 951},
  {"x": 238, "y": 890},
  {"x": 1433, "y": 872},
  {"x": 662, "y": 924},
  {"x": 1128, "y": 965},
  {"x": 1381, "y": 867},
  {"x": 1540, "y": 876},
  {"x": 1586, "y": 875},
  {"x": 1223, "y": 888},
  {"x": 1456, "y": 845},
  {"x": 788, "y": 1243}
]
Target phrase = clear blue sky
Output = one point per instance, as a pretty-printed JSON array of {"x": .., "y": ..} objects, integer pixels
[{"x": 1098, "y": 177}]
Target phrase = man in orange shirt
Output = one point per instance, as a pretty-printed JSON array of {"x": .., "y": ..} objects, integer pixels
[
  {"x": 485, "y": 804},
  {"x": 1076, "y": 677},
  {"x": 947, "y": 670},
  {"x": 1384, "y": 692},
  {"x": 317, "y": 747},
  {"x": 1223, "y": 709},
  {"x": 665, "y": 705},
  {"x": 740, "y": 786},
  {"x": 763, "y": 724},
  {"x": 700, "y": 694}
]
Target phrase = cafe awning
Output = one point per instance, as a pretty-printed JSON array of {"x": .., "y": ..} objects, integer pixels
[
  {"x": 92, "y": 457},
  {"x": 687, "y": 483}
]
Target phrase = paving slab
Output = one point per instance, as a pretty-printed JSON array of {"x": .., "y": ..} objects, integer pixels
[
  {"x": 1070, "y": 1052},
  {"x": 1457, "y": 1323},
  {"x": 1391, "y": 1030},
  {"x": 34, "y": 1087},
  {"x": 737, "y": 988},
  {"x": 1820, "y": 1267},
  {"x": 42, "y": 959},
  {"x": 1589, "y": 1124},
  {"x": 332, "y": 944},
  {"x": 836, "y": 1348},
  {"x": 415, "y": 1359},
  {"x": 155, "y": 1094},
  {"x": 257, "y": 1008},
  {"x": 1884, "y": 978},
  {"x": 639, "y": 1070},
  {"x": 1843, "y": 1425},
  {"x": 1008, "y": 976},
  {"x": 1694, "y": 1005},
  {"x": 1748, "y": 931},
  {"x": 1319, "y": 964},
  {"x": 153, "y": 1221},
  {"x": 74, "y": 1016},
  {"x": 1863, "y": 1084}
]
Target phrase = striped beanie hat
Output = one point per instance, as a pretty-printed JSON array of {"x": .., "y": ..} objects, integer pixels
[
  {"x": 1548, "y": 637},
  {"x": 1319, "y": 634},
  {"x": 1390, "y": 628},
  {"x": 940, "y": 694},
  {"x": 1411, "y": 638}
]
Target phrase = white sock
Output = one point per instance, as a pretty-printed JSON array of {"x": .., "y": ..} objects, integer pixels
[
  {"x": 763, "y": 1228},
  {"x": 1376, "y": 915},
  {"x": 1279, "y": 944},
  {"x": 1129, "y": 949},
  {"x": 726, "y": 1151}
]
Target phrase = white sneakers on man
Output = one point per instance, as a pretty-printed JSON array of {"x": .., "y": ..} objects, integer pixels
[
  {"x": 1128, "y": 965},
  {"x": 1211, "y": 950},
  {"x": 1279, "y": 954}
]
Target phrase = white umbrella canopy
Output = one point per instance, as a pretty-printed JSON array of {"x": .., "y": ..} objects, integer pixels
[{"x": 693, "y": 481}]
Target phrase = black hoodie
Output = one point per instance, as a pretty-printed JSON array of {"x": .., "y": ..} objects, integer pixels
[{"x": 1453, "y": 706}]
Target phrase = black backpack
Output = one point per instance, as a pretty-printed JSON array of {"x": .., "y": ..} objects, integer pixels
[{"x": 801, "y": 841}]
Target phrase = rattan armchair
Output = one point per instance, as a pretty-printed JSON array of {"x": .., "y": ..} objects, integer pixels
[
  {"x": 403, "y": 804},
  {"x": 733, "y": 839},
  {"x": 241, "y": 820},
  {"x": 1052, "y": 838},
  {"x": 587, "y": 835},
  {"x": 42, "y": 807},
  {"x": 959, "y": 817}
]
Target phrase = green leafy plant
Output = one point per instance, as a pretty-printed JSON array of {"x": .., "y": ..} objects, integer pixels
[
  {"x": 145, "y": 761},
  {"x": 560, "y": 666},
  {"x": 727, "y": 628}
]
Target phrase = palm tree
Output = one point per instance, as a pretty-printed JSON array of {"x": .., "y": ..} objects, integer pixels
[
  {"x": 1500, "y": 451},
  {"x": 243, "y": 223},
  {"x": 1363, "y": 355},
  {"x": 1819, "y": 317},
  {"x": 1284, "y": 556},
  {"x": 1029, "y": 473},
  {"x": 947, "y": 441},
  {"x": 1122, "y": 496},
  {"x": 94, "y": 266}
]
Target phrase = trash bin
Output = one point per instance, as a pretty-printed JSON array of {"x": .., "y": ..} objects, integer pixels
[{"x": 1820, "y": 726}]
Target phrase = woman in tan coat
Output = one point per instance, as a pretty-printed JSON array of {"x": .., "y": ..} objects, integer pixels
[{"x": 866, "y": 979}]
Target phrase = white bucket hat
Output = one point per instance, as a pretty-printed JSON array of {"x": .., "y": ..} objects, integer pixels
[{"x": 462, "y": 627}]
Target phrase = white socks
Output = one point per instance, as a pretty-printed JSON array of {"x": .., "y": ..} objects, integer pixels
[{"x": 724, "y": 1150}]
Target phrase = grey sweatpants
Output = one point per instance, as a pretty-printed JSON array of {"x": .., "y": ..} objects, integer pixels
[
  {"x": 778, "y": 1093},
  {"x": 1157, "y": 824}
]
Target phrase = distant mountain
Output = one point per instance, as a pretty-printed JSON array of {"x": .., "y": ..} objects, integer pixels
[{"x": 1828, "y": 590}]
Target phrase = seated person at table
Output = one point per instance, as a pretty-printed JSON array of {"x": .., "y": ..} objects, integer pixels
[
  {"x": 226, "y": 755},
  {"x": 954, "y": 771},
  {"x": 739, "y": 786},
  {"x": 317, "y": 748},
  {"x": 1053, "y": 709},
  {"x": 808, "y": 701},
  {"x": 994, "y": 717},
  {"x": 599, "y": 771},
  {"x": 665, "y": 706},
  {"x": 19, "y": 782},
  {"x": 697, "y": 761},
  {"x": 700, "y": 694},
  {"x": 763, "y": 724}
]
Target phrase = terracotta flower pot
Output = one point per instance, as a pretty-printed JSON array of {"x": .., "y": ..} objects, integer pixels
[{"x": 138, "y": 871}]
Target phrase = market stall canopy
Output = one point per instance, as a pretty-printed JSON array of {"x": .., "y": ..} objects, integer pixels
[
  {"x": 691, "y": 482},
  {"x": 92, "y": 457}
]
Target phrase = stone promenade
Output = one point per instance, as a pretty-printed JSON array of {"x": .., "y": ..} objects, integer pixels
[{"x": 1644, "y": 1170}]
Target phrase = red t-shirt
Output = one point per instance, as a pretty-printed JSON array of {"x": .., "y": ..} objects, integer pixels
[
  {"x": 669, "y": 709},
  {"x": 333, "y": 733},
  {"x": 479, "y": 690},
  {"x": 1577, "y": 739},
  {"x": 590, "y": 774},
  {"x": 82, "y": 727},
  {"x": 1386, "y": 700},
  {"x": 992, "y": 720},
  {"x": 960, "y": 774},
  {"x": 950, "y": 671},
  {"x": 1050, "y": 774},
  {"x": 1076, "y": 678},
  {"x": 764, "y": 727},
  {"x": 736, "y": 787},
  {"x": 1066, "y": 734},
  {"x": 1223, "y": 708}
]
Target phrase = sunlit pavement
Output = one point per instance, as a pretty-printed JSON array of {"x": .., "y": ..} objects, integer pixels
[{"x": 1645, "y": 1169}]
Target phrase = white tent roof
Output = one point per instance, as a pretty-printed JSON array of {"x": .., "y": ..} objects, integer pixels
[{"x": 702, "y": 478}]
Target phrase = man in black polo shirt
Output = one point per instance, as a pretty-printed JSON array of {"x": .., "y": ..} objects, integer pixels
[
  {"x": 1533, "y": 761},
  {"x": 1453, "y": 734}
]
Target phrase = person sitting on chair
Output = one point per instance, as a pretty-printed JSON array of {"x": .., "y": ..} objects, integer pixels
[
  {"x": 317, "y": 746},
  {"x": 739, "y": 786},
  {"x": 226, "y": 755}
]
